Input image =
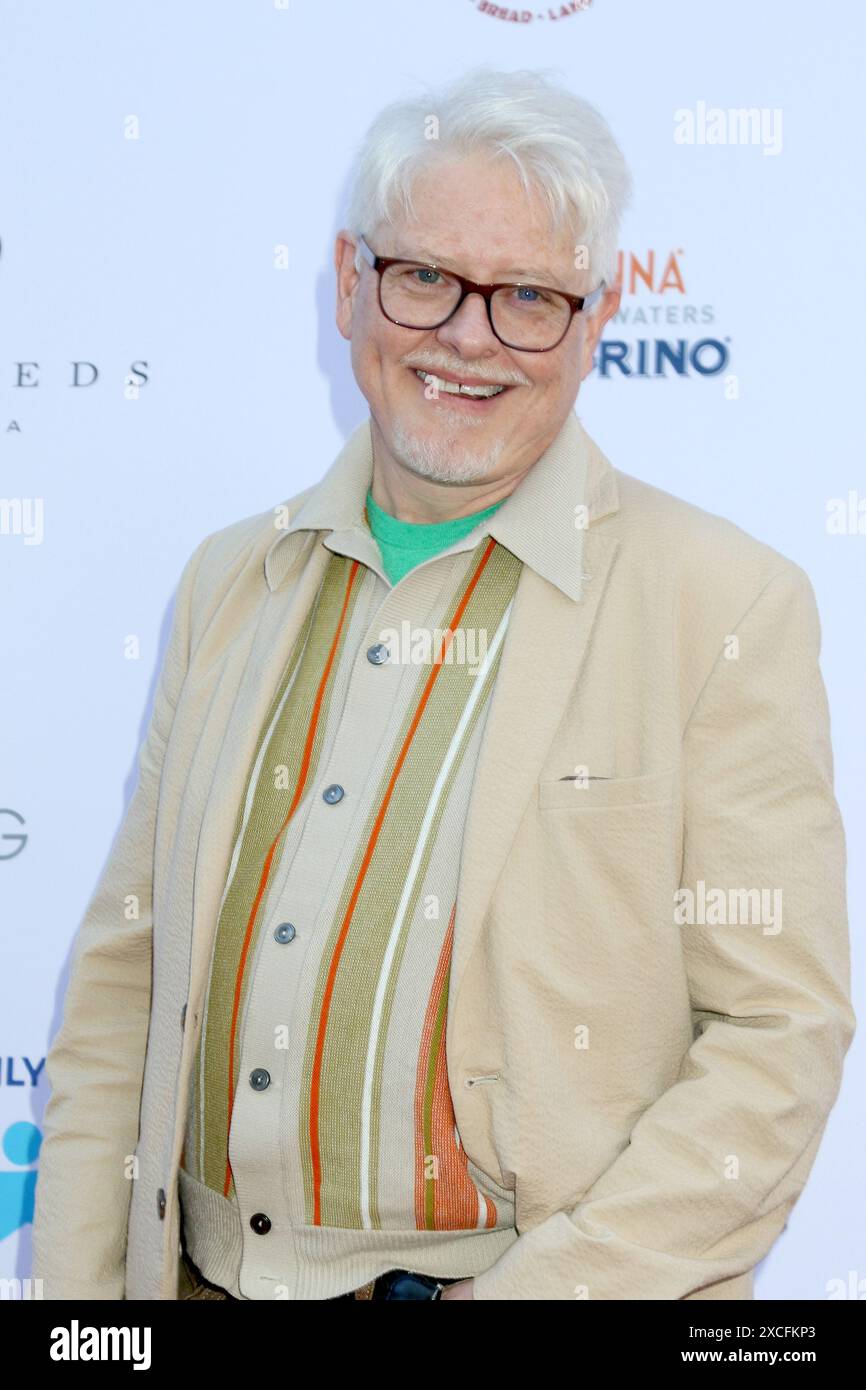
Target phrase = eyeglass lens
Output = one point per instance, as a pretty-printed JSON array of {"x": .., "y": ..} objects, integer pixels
[{"x": 523, "y": 315}]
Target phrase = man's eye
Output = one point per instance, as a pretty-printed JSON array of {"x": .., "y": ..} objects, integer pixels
[
  {"x": 426, "y": 276},
  {"x": 523, "y": 290}
]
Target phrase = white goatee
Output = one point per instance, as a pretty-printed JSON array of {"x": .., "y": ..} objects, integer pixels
[{"x": 448, "y": 458}]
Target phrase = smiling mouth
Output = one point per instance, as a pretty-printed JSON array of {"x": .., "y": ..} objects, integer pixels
[{"x": 455, "y": 388}]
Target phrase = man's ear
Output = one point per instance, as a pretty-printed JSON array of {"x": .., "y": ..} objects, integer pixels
[
  {"x": 348, "y": 279},
  {"x": 604, "y": 310}
]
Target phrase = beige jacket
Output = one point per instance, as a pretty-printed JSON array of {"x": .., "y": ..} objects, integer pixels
[{"x": 654, "y": 1090}]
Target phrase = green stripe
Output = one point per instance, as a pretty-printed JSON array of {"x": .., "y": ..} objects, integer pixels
[{"x": 429, "y": 1090}]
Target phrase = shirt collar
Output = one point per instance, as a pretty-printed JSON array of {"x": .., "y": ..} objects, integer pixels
[{"x": 571, "y": 486}]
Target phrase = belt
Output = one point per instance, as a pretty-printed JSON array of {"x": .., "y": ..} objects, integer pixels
[{"x": 401, "y": 1284}]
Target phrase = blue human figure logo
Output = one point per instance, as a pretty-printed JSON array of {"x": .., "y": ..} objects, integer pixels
[{"x": 21, "y": 1144}]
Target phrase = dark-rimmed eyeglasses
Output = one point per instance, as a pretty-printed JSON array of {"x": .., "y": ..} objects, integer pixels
[{"x": 528, "y": 318}]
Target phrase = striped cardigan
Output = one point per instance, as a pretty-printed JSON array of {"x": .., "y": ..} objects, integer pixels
[{"x": 321, "y": 1147}]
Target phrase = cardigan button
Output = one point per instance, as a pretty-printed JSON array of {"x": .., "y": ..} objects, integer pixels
[
  {"x": 378, "y": 654},
  {"x": 284, "y": 932},
  {"x": 260, "y": 1079},
  {"x": 333, "y": 793},
  {"x": 260, "y": 1223}
]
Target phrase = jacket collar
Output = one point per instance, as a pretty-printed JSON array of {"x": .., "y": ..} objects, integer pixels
[{"x": 571, "y": 486}]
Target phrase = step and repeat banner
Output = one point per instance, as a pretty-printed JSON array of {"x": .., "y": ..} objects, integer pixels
[{"x": 171, "y": 181}]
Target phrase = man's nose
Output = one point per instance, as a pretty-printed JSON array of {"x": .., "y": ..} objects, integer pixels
[{"x": 468, "y": 331}]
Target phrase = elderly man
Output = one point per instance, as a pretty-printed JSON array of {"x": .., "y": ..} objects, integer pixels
[{"x": 477, "y": 928}]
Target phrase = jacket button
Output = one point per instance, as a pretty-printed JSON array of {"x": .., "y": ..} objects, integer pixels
[
  {"x": 260, "y": 1223},
  {"x": 160, "y": 1203},
  {"x": 260, "y": 1079},
  {"x": 333, "y": 793},
  {"x": 284, "y": 932},
  {"x": 378, "y": 654}
]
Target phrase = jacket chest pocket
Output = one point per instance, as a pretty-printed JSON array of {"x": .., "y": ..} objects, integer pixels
[
  {"x": 608, "y": 851},
  {"x": 597, "y": 793}
]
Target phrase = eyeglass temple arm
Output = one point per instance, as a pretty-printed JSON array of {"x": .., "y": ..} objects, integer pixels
[
  {"x": 365, "y": 251},
  {"x": 590, "y": 300}
]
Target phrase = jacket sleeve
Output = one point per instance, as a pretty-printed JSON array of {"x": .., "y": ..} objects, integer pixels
[
  {"x": 715, "y": 1164},
  {"x": 96, "y": 1062}
]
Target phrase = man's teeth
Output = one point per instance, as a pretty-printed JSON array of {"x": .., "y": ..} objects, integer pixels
[{"x": 457, "y": 388}]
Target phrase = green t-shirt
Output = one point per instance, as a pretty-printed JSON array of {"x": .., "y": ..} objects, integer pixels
[{"x": 405, "y": 544}]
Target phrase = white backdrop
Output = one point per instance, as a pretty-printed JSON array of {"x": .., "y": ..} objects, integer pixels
[{"x": 154, "y": 161}]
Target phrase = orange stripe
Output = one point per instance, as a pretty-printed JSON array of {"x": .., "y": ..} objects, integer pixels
[
  {"x": 451, "y": 1192},
  {"x": 330, "y": 981},
  {"x": 266, "y": 869}
]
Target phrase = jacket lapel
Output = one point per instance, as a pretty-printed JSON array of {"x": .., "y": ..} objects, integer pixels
[
  {"x": 515, "y": 742},
  {"x": 532, "y": 689}
]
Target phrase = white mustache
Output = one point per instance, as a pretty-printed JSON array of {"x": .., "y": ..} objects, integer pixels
[{"x": 460, "y": 369}]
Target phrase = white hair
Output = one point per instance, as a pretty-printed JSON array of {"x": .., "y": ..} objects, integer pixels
[{"x": 560, "y": 143}]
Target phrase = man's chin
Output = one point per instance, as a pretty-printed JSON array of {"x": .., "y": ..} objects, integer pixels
[{"x": 451, "y": 455}]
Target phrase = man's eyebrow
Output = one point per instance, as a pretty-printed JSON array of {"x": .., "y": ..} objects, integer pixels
[{"x": 538, "y": 277}]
